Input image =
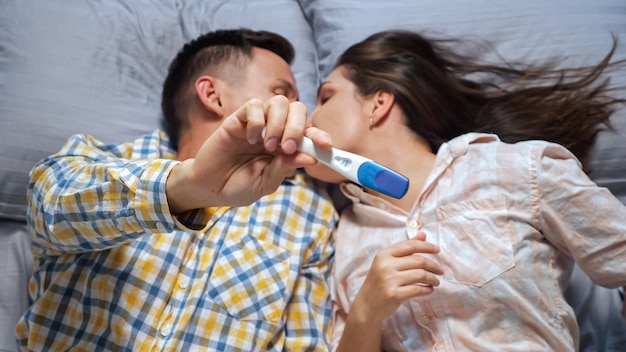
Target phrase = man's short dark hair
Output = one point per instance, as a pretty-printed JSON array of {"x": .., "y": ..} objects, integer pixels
[{"x": 211, "y": 50}]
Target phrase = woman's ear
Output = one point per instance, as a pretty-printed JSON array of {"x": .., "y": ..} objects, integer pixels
[
  {"x": 382, "y": 101},
  {"x": 207, "y": 90}
]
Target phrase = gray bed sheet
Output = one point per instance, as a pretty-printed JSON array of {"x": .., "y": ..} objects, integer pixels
[{"x": 16, "y": 264}]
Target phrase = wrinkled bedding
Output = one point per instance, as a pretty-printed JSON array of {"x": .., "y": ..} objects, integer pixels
[{"x": 91, "y": 66}]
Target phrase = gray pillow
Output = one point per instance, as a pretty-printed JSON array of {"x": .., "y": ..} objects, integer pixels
[
  {"x": 97, "y": 67},
  {"x": 532, "y": 30}
]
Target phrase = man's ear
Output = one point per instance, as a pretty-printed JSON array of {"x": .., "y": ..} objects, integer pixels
[
  {"x": 208, "y": 92},
  {"x": 381, "y": 103}
]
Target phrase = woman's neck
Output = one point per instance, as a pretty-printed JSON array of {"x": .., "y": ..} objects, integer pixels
[{"x": 409, "y": 156}]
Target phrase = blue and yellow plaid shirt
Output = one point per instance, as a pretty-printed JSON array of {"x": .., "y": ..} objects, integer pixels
[{"x": 114, "y": 270}]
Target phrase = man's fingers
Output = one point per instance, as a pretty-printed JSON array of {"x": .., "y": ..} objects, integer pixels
[
  {"x": 252, "y": 115},
  {"x": 294, "y": 127},
  {"x": 276, "y": 111},
  {"x": 285, "y": 124}
]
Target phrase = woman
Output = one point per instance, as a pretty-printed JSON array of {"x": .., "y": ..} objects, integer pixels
[{"x": 478, "y": 252}]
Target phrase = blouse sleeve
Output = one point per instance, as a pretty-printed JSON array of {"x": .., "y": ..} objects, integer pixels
[{"x": 584, "y": 220}]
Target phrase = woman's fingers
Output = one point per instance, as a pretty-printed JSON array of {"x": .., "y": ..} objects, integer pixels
[
  {"x": 410, "y": 291},
  {"x": 416, "y": 261},
  {"x": 404, "y": 264},
  {"x": 412, "y": 246},
  {"x": 320, "y": 138},
  {"x": 417, "y": 277},
  {"x": 391, "y": 290}
]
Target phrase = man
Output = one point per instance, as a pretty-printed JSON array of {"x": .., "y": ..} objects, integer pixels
[{"x": 138, "y": 247}]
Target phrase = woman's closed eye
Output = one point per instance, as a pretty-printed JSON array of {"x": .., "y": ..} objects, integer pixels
[
  {"x": 323, "y": 98},
  {"x": 324, "y": 93}
]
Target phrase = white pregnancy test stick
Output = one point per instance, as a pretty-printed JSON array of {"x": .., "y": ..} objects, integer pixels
[{"x": 359, "y": 169}]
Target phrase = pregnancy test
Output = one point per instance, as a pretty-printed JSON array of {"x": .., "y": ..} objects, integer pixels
[{"x": 359, "y": 169}]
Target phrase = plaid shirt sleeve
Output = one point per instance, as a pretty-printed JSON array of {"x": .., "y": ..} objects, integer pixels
[{"x": 72, "y": 211}]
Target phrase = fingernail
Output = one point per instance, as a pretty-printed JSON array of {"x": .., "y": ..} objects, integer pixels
[
  {"x": 271, "y": 144},
  {"x": 290, "y": 146}
]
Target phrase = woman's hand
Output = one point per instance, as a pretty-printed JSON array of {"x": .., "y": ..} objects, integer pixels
[{"x": 398, "y": 273}]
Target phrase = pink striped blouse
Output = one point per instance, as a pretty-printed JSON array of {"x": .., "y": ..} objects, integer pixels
[{"x": 510, "y": 220}]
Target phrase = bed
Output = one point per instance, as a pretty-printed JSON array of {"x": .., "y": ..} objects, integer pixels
[{"x": 92, "y": 66}]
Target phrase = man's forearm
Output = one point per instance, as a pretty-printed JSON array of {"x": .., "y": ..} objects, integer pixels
[
  {"x": 82, "y": 205},
  {"x": 181, "y": 196}
]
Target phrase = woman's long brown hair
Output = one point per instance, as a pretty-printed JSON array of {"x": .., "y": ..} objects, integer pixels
[{"x": 445, "y": 93}]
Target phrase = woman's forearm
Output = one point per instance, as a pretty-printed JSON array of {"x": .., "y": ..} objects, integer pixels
[{"x": 361, "y": 333}]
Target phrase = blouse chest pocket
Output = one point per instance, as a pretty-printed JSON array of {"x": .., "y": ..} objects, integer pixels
[
  {"x": 475, "y": 240},
  {"x": 250, "y": 279}
]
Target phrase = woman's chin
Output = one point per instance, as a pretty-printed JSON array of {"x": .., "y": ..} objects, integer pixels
[{"x": 323, "y": 173}]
